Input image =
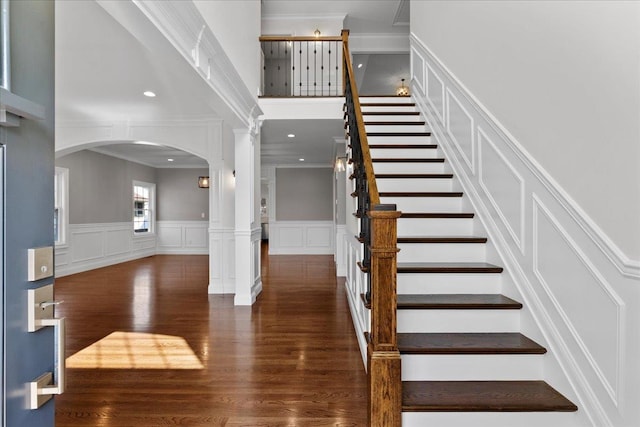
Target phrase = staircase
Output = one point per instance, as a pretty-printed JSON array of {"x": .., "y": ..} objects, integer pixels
[{"x": 464, "y": 361}]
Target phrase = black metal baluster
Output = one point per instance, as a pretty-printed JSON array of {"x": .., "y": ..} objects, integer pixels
[
  {"x": 337, "y": 69},
  {"x": 329, "y": 71},
  {"x": 322, "y": 69}
]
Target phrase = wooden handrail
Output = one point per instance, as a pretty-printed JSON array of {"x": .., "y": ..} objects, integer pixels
[
  {"x": 300, "y": 39},
  {"x": 374, "y": 197},
  {"x": 378, "y": 228}
]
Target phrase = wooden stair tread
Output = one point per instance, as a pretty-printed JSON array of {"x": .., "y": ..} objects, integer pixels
[
  {"x": 457, "y": 302},
  {"x": 442, "y": 239},
  {"x": 420, "y": 194},
  {"x": 468, "y": 343},
  {"x": 392, "y": 123},
  {"x": 390, "y": 113},
  {"x": 387, "y": 104},
  {"x": 448, "y": 267},
  {"x": 414, "y": 175},
  {"x": 437, "y": 215},
  {"x": 398, "y": 134},
  {"x": 410, "y": 160},
  {"x": 404, "y": 146},
  {"x": 475, "y": 396}
]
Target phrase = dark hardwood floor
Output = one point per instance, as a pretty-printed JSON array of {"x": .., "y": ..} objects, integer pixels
[{"x": 146, "y": 346}]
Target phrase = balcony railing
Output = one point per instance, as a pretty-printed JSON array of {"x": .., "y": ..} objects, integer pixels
[{"x": 302, "y": 66}]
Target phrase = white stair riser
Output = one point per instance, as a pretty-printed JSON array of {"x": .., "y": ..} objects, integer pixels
[
  {"x": 458, "y": 320},
  {"x": 384, "y": 167},
  {"x": 407, "y": 153},
  {"x": 448, "y": 283},
  {"x": 395, "y": 128},
  {"x": 387, "y": 108},
  {"x": 471, "y": 367},
  {"x": 392, "y": 139},
  {"x": 385, "y": 99},
  {"x": 392, "y": 118},
  {"x": 409, "y": 227},
  {"x": 425, "y": 204},
  {"x": 492, "y": 419},
  {"x": 414, "y": 184},
  {"x": 442, "y": 252}
]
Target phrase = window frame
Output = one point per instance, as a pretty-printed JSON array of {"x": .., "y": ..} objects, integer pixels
[
  {"x": 61, "y": 204},
  {"x": 151, "y": 187}
]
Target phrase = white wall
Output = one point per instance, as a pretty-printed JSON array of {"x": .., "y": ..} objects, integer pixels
[
  {"x": 580, "y": 291},
  {"x": 562, "y": 78},
  {"x": 236, "y": 25}
]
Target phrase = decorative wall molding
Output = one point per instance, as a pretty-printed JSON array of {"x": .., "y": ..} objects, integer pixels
[
  {"x": 93, "y": 246},
  {"x": 578, "y": 286},
  {"x": 185, "y": 28},
  {"x": 301, "y": 238},
  {"x": 222, "y": 253},
  {"x": 341, "y": 251},
  {"x": 603, "y": 338},
  {"x": 182, "y": 237},
  {"x": 504, "y": 187},
  {"x": 355, "y": 286}
]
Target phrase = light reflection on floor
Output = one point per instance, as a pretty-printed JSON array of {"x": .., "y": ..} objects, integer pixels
[{"x": 136, "y": 350}]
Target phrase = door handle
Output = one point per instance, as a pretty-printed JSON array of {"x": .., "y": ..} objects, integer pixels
[{"x": 40, "y": 313}]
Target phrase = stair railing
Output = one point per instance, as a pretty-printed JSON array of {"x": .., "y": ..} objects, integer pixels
[
  {"x": 299, "y": 66},
  {"x": 378, "y": 233}
]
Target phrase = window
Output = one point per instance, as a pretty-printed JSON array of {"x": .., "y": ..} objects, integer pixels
[
  {"x": 60, "y": 205},
  {"x": 143, "y": 207}
]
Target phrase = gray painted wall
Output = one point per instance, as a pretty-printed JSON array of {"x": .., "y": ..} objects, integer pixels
[
  {"x": 178, "y": 196},
  {"x": 100, "y": 186},
  {"x": 28, "y": 218},
  {"x": 304, "y": 194}
]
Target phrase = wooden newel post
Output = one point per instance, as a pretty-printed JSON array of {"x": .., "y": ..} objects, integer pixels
[{"x": 385, "y": 386}]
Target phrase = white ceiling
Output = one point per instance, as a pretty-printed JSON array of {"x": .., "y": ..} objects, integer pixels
[
  {"x": 314, "y": 141},
  {"x": 102, "y": 70}
]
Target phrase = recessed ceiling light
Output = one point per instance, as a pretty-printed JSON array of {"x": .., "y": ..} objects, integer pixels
[
  {"x": 149, "y": 94},
  {"x": 169, "y": 160},
  {"x": 302, "y": 160},
  {"x": 359, "y": 65},
  {"x": 291, "y": 135}
]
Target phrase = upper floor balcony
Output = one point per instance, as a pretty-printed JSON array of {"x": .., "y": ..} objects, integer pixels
[{"x": 302, "y": 66}]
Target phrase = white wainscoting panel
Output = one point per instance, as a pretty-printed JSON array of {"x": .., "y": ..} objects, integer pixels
[
  {"x": 183, "y": 237},
  {"x": 503, "y": 186},
  {"x": 417, "y": 65},
  {"x": 99, "y": 245},
  {"x": 599, "y": 336},
  {"x": 341, "y": 251},
  {"x": 222, "y": 262},
  {"x": 301, "y": 238},
  {"x": 581, "y": 293},
  {"x": 460, "y": 128},
  {"x": 356, "y": 285},
  {"x": 435, "y": 89}
]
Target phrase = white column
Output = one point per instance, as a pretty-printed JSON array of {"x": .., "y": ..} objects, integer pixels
[{"x": 248, "y": 282}]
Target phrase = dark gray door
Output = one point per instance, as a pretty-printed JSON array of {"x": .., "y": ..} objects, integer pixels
[{"x": 27, "y": 214}]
